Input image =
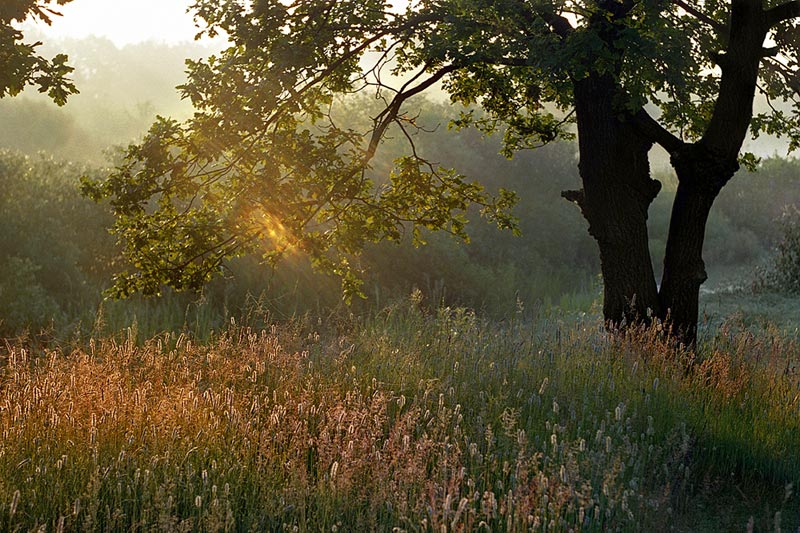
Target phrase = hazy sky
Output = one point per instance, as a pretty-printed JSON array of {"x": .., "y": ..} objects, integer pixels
[
  {"x": 133, "y": 21},
  {"x": 125, "y": 21}
]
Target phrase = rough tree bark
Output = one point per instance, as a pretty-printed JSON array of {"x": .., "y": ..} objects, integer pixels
[
  {"x": 616, "y": 195},
  {"x": 705, "y": 167},
  {"x": 618, "y": 189},
  {"x": 615, "y": 172}
]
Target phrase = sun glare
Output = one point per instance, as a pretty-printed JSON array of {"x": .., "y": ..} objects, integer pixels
[{"x": 271, "y": 229}]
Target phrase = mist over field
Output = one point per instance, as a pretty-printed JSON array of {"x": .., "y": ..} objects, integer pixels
[
  {"x": 473, "y": 386},
  {"x": 554, "y": 262}
]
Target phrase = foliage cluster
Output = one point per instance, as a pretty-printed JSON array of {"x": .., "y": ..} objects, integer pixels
[
  {"x": 54, "y": 243},
  {"x": 554, "y": 257},
  {"x": 57, "y": 256},
  {"x": 20, "y": 63},
  {"x": 422, "y": 422}
]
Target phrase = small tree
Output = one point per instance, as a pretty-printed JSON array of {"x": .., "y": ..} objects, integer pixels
[
  {"x": 263, "y": 165},
  {"x": 20, "y": 65}
]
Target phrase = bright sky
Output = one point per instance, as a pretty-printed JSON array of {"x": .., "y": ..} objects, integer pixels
[{"x": 125, "y": 21}]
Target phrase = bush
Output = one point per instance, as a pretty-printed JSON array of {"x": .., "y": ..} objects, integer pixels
[{"x": 783, "y": 272}]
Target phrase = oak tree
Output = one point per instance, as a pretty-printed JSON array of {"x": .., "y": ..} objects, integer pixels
[
  {"x": 20, "y": 64},
  {"x": 266, "y": 164}
]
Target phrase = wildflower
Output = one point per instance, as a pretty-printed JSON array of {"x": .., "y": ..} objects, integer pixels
[{"x": 489, "y": 504}]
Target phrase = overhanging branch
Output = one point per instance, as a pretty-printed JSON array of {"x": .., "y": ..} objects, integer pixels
[
  {"x": 391, "y": 112},
  {"x": 783, "y": 12},
  {"x": 561, "y": 26}
]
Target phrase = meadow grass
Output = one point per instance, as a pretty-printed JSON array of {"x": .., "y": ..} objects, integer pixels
[{"x": 409, "y": 420}]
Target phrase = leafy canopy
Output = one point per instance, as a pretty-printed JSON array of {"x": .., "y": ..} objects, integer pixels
[
  {"x": 266, "y": 166},
  {"x": 20, "y": 65}
]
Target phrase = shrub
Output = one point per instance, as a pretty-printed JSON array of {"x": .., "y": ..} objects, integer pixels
[{"x": 783, "y": 271}]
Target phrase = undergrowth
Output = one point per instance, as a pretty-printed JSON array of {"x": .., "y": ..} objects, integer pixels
[{"x": 406, "y": 421}]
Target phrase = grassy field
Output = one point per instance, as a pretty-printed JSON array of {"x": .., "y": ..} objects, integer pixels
[{"x": 410, "y": 420}]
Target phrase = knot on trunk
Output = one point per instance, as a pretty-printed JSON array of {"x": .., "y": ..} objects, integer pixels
[
  {"x": 650, "y": 189},
  {"x": 577, "y": 197},
  {"x": 700, "y": 274},
  {"x": 702, "y": 170}
]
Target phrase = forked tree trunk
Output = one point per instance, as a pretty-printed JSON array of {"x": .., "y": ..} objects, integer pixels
[{"x": 617, "y": 188}]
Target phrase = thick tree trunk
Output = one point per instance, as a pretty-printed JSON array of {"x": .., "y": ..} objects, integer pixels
[
  {"x": 701, "y": 176},
  {"x": 617, "y": 188},
  {"x": 617, "y": 192},
  {"x": 705, "y": 167}
]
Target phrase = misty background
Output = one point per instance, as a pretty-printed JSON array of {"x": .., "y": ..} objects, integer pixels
[{"x": 56, "y": 256}]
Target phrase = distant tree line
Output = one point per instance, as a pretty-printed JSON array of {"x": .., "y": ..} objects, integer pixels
[{"x": 56, "y": 255}]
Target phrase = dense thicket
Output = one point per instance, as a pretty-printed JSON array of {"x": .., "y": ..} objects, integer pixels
[{"x": 56, "y": 256}]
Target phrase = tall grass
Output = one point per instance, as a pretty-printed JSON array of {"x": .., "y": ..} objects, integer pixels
[{"x": 406, "y": 421}]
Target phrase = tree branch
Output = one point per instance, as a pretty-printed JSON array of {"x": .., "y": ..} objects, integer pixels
[
  {"x": 561, "y": 26},
  {"x": 789, "y": 76},
  {"x": 783, "y": 12},
  {"x": 389, "y": 114},
  {"x": 656, "y": 133},
  {"x": 702, "y": 17}
]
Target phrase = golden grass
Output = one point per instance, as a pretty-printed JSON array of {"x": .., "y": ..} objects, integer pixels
[{"x": 407, "y": 423}]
